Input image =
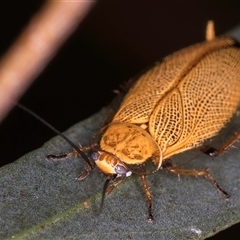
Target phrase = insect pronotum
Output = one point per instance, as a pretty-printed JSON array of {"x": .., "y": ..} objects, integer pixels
[{"x": 177, "y": 105}]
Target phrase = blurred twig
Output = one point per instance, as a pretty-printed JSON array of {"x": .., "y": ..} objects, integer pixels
[{"x": 36, "y": 46}]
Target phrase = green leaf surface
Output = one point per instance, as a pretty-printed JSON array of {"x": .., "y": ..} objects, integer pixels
[{"x": 42, "y": 199}]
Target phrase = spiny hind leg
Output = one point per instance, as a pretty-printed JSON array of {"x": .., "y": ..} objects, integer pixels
[
  {"x": 116, "y": 181},
  {"x": 222, "y": 149},
  {"x": 148, "y": 196},
  {"x": 199, "y": 173}
]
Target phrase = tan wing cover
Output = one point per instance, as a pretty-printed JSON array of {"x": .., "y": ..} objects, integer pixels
[{"x": 188, "y": 97}]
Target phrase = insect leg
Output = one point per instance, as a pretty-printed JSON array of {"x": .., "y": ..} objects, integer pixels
[
  {"x": 68, "y": 155},
  {"x": 149, "y": 197},
  {"x": 167, "y": 163},
  {"x": 60, "y": 157},
  {"x": 230, "y": 142},
  {"x": 210, "y": 31},
  {"x": 75, "y": 154},
  {"x": 84, "y": 174},
  {"x": 201, "y": 173},
  {"x": 116, "y": 181}
]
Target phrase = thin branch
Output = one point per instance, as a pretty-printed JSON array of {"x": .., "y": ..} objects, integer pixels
[{"x": 36, "y": 46}]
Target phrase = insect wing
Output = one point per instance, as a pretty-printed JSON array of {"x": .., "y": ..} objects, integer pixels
[
  {"x": 188, "y": 97},
  {"x": 201, "y": 105}
]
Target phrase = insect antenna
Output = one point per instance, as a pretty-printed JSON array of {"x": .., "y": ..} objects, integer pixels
[
  {"x": 189, "y": 160},
  {"x": 82, "y": 154},
  {"x": 105, "y": 186}
]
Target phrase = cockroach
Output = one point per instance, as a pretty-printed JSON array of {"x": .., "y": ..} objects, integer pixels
[{"x": 178, "y": 104}]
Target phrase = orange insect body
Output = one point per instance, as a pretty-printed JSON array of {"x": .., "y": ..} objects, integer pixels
[
  {"x": 177, "y": 105},
  {"x": 183, "y": 100}
]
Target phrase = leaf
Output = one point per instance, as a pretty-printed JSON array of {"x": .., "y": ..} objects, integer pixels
[{"x": 41, "y": 199}]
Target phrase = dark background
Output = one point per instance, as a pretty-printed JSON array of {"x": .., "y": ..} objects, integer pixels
[{"x": 115, "y": 41}]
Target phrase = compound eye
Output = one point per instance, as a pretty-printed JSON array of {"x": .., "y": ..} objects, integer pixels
[
  {"x": 95, "y": 155},
  {"x": 122, "y": 170}
]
